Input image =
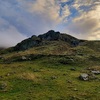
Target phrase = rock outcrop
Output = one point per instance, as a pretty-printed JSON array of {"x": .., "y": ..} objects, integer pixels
[{"x": 42, "y": 39}]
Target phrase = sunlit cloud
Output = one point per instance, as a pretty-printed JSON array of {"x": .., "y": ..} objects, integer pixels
[
  {"x": 24, "y": 18},
  {"x": 86, "y": 24}
]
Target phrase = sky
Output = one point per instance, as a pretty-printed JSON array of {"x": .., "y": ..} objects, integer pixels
[{"x": 20, "y": 19}]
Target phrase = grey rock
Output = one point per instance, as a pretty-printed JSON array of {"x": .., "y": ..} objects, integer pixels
[
  {"x": 69, "y": 81},
  {"x": 3, "y": 85},
  {"x": 73, "y": 69},
  {"x": 84, "y": 77},
  {"x": 54, "y": 77},
  {"x": 8, "y": 74},
  {"x": 75, "y": 89},
  {"x": 95, "y": 72},
  {"x": 36, "y": 70},
  {"x": 23, "y": 58}
]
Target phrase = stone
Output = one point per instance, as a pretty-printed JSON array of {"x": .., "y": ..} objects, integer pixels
[
  {"x": 73, "y": 69},
  {"x": 54, "y": 77},
  {"x": 84, "y": 77},
  {"x": 95, "y": 72},
  {"x": 36, "y": 70},
  {"x": 23, "y": 58},
  {"x": 8, "y": 74},
  {"x": 69, "y": 81},
  {"x": 75, "y": 89},
  {"x": 3, "y": 86},
  {"x": 29, "y": 59}
]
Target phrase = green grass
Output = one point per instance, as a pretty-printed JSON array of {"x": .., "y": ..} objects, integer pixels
[
  {"x": 32, "y": 80},
  {"x": 48, "y": 75}
]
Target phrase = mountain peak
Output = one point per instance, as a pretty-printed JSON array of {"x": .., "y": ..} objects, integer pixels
[
  {"x": 47, "y": 37},
  {"x": 50, "y": 35},
  {"x": 53, "y": 32}
]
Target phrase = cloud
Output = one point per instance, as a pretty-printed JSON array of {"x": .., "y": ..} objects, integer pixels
[
  {"x": 85, "y": 3},
  {"x": 50, "y": 9},
  {"x": 32, "y": 16},
  {"x": 65, "y": 13},
  {"x": 95, "y": 35},
  {"x": 17, "y": 16},
  {"x": 24, "y": 18},
  {"x": 9, "y": 36},
  {"x": 86, "y": 24}
]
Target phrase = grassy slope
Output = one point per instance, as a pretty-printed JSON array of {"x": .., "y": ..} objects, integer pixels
[
  {"x": 33, "y": 80},
  {"x": 58, "y": 48}
]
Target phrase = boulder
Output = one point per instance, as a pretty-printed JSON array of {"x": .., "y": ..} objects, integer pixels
[
  {"x": 95, "y": 72},
  {"x": 84, "y": 77}
]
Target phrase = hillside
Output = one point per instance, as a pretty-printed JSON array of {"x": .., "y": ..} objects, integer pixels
[
  {"x": 48, "y": 67},
  {"x": 53, "y": 43}
]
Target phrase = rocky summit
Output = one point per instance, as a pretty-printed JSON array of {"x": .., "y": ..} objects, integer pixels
[{"x": 44, "y": 38}]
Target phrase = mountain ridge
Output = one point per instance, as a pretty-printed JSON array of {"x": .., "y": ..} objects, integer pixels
[
  {"x": 54, "y": 43},
  {"x": 44, "y": 38}
]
